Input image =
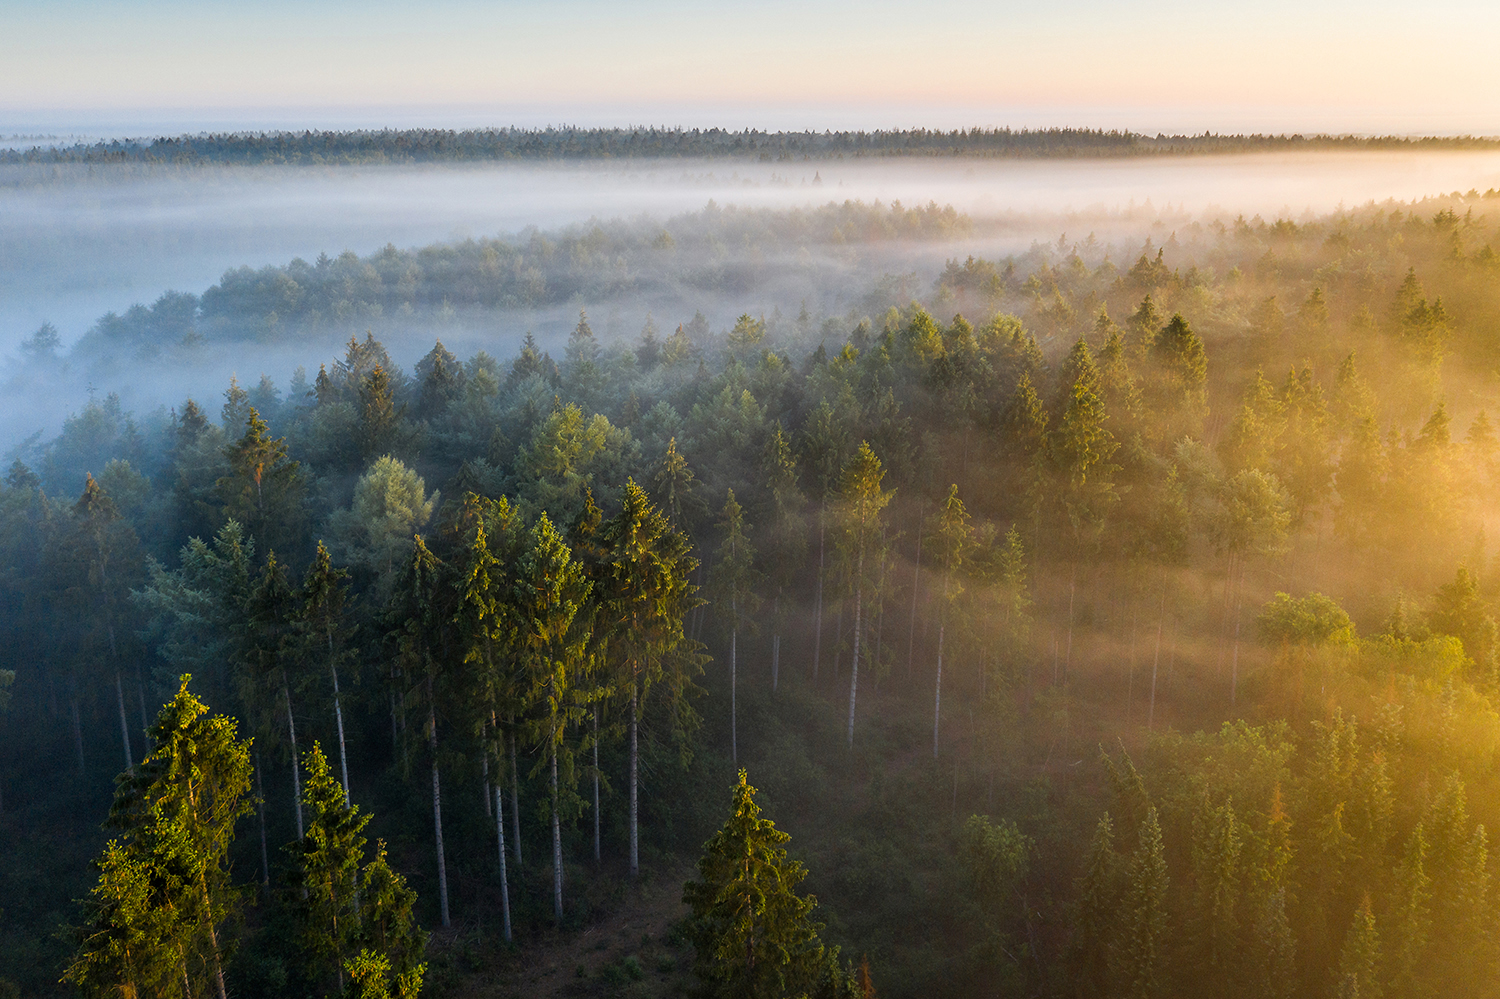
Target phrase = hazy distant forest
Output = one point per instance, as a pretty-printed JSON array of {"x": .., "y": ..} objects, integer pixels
[
  {"x": 1093, "y": 627},
  {"x": 444, "y": 145}
]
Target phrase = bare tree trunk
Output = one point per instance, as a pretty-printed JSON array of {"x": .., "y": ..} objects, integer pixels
[
  {"x": 937, "y": 703},
  {"x": 515, "y": 796},
  {"x": 818, "y": 611},
  {"x": 775, "y": 662},
  {"x": 124, "y": 725},
  {"x": 635, "y": 780},
  {"x": 484, "y": 765},
  {"x": 140, "y": 695},
  {"x": 437, "y": 808},
  {"x": 916, "y": 588},
  {"x": 291, "y": 728},
  {"x": 597, "y": 853},
  {"x": 854, "y": 675},
  {"x": 838, "y": 639},
  {"x": 1156, "y": 661},
  {"x": 78, "y": 735},
  {"x": 557, "y": 872},
  {"x": 734, "y": 709},
  {"x": 1135, "y": 627},
  {"x": 338, "y": 717},
  {"x": 1072, "y": 593},
  {"x": 500, "y": 835},
  {"x": 260, "y": 808},
  {"x": 1239, "y": 601}
]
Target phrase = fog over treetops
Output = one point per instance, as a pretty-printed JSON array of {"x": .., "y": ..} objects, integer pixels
[{"x": 918, "y": 575}]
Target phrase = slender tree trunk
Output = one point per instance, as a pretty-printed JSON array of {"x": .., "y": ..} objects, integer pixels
[
  {"x": 260, "y": 808},
  {"x": 140, "y": 696},
  {"x": 1234, "y": 670},
  {"x": 635, "y": 780},
  {"x": 515, "y": 795},
  {"x": 213, "y": 936},
  {"x": 437, "y": 808},
  {"x": 854, "y": 675},
  {"x": 124, "y": 725},
  {"x": 1135, "y": 627},
  {"x": 500, "y": 835},
  {"x": 734, "y": 708},
  {"x": 916, "y": 588},
  {"x": 1161, "y": 622},
  {"x": 338, "y": 717},
  {"x": 775, "y": 661},
  {"x": 838, "y": 639},
  {"x": 78, "y": 736},
  {"x": 937, "y": 702},
  {"x": 291, "y": 728},
  {"x": 1072, "y": 592},
  {"x": 597, "y": 852},
  {"x": 818, "y": 610},
  {"x": 557, "y": 872},
  {"x": 484, "y": 764}
]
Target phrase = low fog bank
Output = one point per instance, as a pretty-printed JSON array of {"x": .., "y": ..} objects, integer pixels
[
  {"x": 771, "y": 243},
  {"x": 79, "y": 241}
]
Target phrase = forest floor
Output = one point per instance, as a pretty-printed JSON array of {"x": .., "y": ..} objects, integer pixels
[{"x": 629, "y": 950}]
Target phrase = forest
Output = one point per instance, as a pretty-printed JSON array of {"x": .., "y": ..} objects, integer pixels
[
  {"x": 1071, "y": 623},
  {"x": 433, "y": 145}
]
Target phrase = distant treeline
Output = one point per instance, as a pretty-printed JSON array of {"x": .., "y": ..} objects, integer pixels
[{"x": 428, "y": 145}]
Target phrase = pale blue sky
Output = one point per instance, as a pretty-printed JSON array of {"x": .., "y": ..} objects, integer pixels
[{"x": 1172, "y": 64}]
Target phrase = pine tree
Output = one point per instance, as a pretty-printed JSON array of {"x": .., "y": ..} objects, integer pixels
[
  {"x": 1359, "y": 961},
  {"x": 1411, "y": 919},
  {"x": 549, "y": 595},
  {"x": 861, "y": 501},
  {"x": 787, "y": 544},
  {"x": 1142, "y": 940},
  {"x": 733, "y": 581},
  {"x": 1217, "y": 847},
  {"x": 753, "y": 933},
  {"x": 268, "y": 661},
  {"x": 1094, "y": 916},
  {"x": 323, "y": 889},
  {"x": 418, "y": 616},
  {"x": 326, "y": 635},
  {"x": 165, "y": 894},
  {"x": 389, "y": 963},
  {"x": 646, "y": 593},
  {"x": 264, "y": 488},
  {"x": 951, "y": 540},
  {"x": 485, "y": 629}
]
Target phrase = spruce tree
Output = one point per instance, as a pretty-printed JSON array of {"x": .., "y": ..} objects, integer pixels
[
  {"x": 952, "y": 538},
  {"x": 861, "y": 501},
  {"x": 156, "y": 919},
  {"x": 549, "y": 594},
  {"x": 646, "y": 592},
  {"x": 419, "y": 614},
  {"x": 732, "y": 582},
  {"x": 1141, "y": 943},
  {"x": 1359, "y": 961},
  {"x": 323, "y": 887},
  {"x": 754, "y": 935},
  {"x": 1095, "y": 914}
]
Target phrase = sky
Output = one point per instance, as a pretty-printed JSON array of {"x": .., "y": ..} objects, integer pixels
[{"x": 139, "y": 66}]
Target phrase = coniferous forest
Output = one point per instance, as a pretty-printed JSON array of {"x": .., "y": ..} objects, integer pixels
[{"x": 1096, "y": 620}]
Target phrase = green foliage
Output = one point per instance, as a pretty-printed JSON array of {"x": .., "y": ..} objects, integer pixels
[
  {"x": 1310, "y": 621},
  {"x": 155, "y": 921},
  {"x": 754, "y": 935}
]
